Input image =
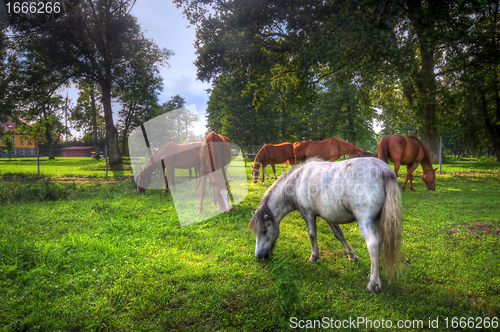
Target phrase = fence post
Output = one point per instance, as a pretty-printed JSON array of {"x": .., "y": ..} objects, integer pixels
[
  {"x": 440, "y": 153},
  {"x": 106, "y": 157},
  {"x": 38, "y": 159}
]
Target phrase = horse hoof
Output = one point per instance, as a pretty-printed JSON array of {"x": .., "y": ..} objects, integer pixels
[
  {"x": 373, "y": 287},
  {"x": 313, "y": 259}
]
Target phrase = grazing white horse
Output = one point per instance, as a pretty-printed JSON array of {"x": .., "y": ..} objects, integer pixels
[{"x": 362, "y": 189}]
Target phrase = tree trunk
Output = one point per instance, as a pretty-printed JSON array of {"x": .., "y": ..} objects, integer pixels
[
  {"x": 125, "y": 132},
  {"x": 111, "y": 132},
  {"x": 425, "y": 82},
  {"x": 97, "y": 150},
  {"x": 427, "y": 86}
]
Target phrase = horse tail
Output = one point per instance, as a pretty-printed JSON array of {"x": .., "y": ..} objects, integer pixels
[
  {"x": 383, "y": 150},
  {"x": 391, "y": 220}
]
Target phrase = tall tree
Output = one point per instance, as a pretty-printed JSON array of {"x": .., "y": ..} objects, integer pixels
[
  {"x": 97, "y": 40},
  {"x": 87, "y": 112},
  {"x": 138, "y": 91},
  {"x": 475, "y": 67},
  {"x": 399, "y": 38}
]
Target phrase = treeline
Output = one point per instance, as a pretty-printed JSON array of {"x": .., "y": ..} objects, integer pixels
[{"x": 293, "y": 70}]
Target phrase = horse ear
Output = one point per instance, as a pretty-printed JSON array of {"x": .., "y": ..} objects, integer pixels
[
  {"x": 435, "y": 169},
  {"x": 266, "y": 218}
]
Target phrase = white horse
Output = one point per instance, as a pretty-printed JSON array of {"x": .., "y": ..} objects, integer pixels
[{"x": 362, "y": 189}]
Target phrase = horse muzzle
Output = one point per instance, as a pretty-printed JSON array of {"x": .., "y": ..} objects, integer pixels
[
  {"x": 432, "y": 188},
  {"x": 141, "y": 190}
]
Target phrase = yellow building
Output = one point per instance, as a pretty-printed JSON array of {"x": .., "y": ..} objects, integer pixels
[{"x": 24, "y": 146}]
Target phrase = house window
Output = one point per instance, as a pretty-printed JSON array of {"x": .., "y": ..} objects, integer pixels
[
  {"x": 30, "y": 152},
  {"x": 22, "y": 152},
  {"x": 21, "y": 141},
  {"x": 14, "y": 140},
  {"x": 14, "y": 151}
]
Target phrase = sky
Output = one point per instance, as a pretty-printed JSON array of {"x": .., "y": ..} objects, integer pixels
[{"x": 165, "y": 24}]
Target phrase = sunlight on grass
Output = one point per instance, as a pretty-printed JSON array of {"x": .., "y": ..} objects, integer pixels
[{"x": 104, "y": 257}]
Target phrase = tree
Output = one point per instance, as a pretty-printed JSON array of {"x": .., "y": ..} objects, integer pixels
[
  {"x": 402, "y": 39},
  {"x": 42, "y": 120},
  {"x": 97, "y": 40},
  {"x": 475, "y": 67},
  {"x": 345, "y": 110},
  {"x": 7, "y": 141},
  {"x": 87, "y": 114}
]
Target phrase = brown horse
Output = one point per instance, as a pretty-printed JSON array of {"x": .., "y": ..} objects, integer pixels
[
  {"x": 409, "y": 151},
  {"x": 329, "y": 149},
  {"x": 272, "y": 154},
  {"x": 170, "y": 156},
  {"x": 215, "y": 154}
]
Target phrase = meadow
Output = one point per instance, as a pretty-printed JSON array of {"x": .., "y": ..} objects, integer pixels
[{"x": 96, "y": 255}]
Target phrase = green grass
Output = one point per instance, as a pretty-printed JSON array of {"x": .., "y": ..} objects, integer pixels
[
  {"x": 103, "y": 257},
  {"x": 63, "y": 166}
]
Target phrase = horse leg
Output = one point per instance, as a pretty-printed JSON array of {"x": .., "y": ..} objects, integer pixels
[
  {"x": 373, "y": 245},
  {"x": 310, "y": 219},
  {"x": 274, "y": 171},
  {"x": 173, "y": 178},
  {"x": 396, "y": 167},
  {"x": 190, "y": 172},
  {"x": 215, "y": 197},
  {"x": 263, "y": 173},
  {"x": 411, "y": 178},
  {"x": 165, "y": 175},
  {"x": 337, "y": 231},
  {"x": 202, "y": 194},
  {"x": 409, "y": 175}
]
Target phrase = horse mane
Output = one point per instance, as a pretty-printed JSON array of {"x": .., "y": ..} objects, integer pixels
[
  {"x": 427, "y": 156},
  {"x": 353, "y": 147},
  {"x": 257, "y": 221},
  {"x": 313, "y": 160},
  {"x": 258, "y": 153}
]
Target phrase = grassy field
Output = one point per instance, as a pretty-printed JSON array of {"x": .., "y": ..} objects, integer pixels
[{"x": 100, "y": 256}]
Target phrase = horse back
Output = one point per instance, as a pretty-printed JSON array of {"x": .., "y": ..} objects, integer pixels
[
  {"x": 215, "y": 153},
  {"x": 276, "y": 153},
  {"x": 340, "y": 192},
  {"x": 299, "y": 150}
]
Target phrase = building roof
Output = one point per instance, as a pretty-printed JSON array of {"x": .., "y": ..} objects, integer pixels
[{"x": 8, "y": 125}]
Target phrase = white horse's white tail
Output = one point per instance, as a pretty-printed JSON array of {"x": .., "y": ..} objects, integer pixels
[{"x": 391, "y": 221}]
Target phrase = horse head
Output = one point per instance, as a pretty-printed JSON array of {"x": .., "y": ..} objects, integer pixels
[
  {"x": 255, "y": 172},
  {"x": 429, "y": 177},
  {"x": 266, "y": 231}
]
